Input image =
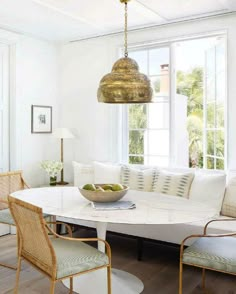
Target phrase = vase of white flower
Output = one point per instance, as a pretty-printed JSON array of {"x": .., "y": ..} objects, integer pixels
[
  {"x": 52, "y": 168},
  {"x": 53, "y": 181}
]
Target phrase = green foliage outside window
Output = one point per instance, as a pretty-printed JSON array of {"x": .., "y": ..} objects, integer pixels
[
  {"x": 137, "y": 126},
  {"x": 189, "y": 84}
]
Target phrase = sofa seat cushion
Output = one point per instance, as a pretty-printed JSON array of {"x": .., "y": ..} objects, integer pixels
[
  {"x": 75, "y": 257},
  {"x": 217, "y": 253}
]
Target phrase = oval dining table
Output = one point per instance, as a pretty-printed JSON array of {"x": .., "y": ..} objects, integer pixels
[{"x": 151, "y": 208}]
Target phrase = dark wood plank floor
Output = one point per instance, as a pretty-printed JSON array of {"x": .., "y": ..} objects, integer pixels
[{"x": 158, "y": 270}]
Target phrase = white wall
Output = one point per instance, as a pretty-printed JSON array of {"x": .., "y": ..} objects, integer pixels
[
  {"x": 82, "y": 65},
  {"x": 35, "y": 83}
]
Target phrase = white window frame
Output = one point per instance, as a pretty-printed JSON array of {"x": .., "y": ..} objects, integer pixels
[
  {"x": 123, "y": 111},
  {"x": 214, "y": 129}
]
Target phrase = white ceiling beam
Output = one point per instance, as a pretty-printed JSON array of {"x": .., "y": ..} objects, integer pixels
[
  {"x": 229, "y": 4},
  {"x": 72, "y": 16},
  {"x": 150, "y": 9}
]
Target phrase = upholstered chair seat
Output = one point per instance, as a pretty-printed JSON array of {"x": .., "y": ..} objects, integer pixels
[
  {"x": 217, "y": 253},
  {"x": 6, "y": 217},
  {"x": 214, "y": 252},
  {"x": 75, "y": 257}
]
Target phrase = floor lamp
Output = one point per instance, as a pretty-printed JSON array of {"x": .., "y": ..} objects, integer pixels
[{"x": 62, "y": 133}]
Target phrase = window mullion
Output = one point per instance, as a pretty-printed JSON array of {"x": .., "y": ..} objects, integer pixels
[{"x": 172, "y": 91}]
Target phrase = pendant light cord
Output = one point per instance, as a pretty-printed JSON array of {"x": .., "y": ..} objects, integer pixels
[{"x": 126, "y": 30}]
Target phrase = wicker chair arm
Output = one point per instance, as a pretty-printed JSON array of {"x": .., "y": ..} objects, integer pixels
[
  {"x": 3, "y": 201},
  {"x": 217, "y": 220},
  {"x": 61, "y": 223},
  {"x": 25, "y": 184},
  {"x": 108, "y": 248}
]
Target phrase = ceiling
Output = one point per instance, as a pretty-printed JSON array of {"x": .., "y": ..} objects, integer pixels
[{"x": 67, "y": 20}]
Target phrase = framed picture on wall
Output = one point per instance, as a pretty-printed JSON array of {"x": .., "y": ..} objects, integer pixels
[{"x": 41, "y": 119}]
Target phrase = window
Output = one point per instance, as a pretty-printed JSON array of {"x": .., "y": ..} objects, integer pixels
[
  {"x": 149, "y": 124},
  {"x": 185, "y": 126},
  {"x": 215, "y": 76}
]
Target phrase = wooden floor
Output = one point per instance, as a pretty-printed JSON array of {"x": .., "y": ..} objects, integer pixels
[{"x": 158, "y": 270}]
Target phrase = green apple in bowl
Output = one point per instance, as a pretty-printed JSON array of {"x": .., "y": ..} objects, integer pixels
[
  {"x": 89, "y": 187},
  {"x": 98, "y": 188},
  {"x": 117, "y": 187},
  {"x": 103, "y": 192},
  {"x": 107, "y": 187}
]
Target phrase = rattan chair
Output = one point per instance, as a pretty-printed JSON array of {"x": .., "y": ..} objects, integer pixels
[
  {"x": 214, "y": 252},
  {"x": 9, "y": 183},
  {"x": 58, "y": 258}
]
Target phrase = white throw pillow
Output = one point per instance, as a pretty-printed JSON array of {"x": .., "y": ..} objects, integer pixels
[
  {"x": 229, "y": 202},
  {"x": 83, "y": 174},
  {"x": 137, "y": 179},
  {"x": 208, "y": 188},
  {"x": 106, "y": 173},
  {"x": 176, "y": 184}
]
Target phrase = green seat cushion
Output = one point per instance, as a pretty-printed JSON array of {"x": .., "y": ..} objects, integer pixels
[
  {"x": 216, "y": 253},
  {"x": 6, "y": 218},
  {"x": 75, "y": 257}
]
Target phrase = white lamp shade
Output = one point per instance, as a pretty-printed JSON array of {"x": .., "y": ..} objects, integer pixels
[{"x": 63, "y": 133}]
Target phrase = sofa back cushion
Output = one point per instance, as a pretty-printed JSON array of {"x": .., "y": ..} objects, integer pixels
[
  {"x": 106, "y": 173},
  {"x": 208, "y": 188},
  {"x": 177, "y": 184},
  {"x": 229, "y": 202},
  {"x": 138, "y": 179},
  {"x": 83, "y": 174}
]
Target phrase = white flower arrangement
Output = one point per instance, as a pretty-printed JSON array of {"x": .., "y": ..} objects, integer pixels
[{"x": 52, "y": 167}]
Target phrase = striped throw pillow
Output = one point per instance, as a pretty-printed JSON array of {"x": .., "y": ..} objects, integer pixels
[
  {"x": 138, "y": 179},
  {"x": 173, "y": 183}
]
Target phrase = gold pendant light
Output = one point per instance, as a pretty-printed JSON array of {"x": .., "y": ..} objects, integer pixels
[{"x": 125, "y": 84}]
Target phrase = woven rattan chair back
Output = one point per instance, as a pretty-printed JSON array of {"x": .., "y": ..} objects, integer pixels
[
  {"x": 34, "y": 243},
  {"x": 10, "y": 182}
]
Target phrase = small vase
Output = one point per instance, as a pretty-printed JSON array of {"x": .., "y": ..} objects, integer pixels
[{"x": 53, "y": 181}]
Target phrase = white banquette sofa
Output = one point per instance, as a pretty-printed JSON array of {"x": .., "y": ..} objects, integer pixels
[{"x": 214, "y": 188}]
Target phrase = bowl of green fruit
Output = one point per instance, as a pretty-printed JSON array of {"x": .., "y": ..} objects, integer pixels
[{"x": 103, "y": 192}]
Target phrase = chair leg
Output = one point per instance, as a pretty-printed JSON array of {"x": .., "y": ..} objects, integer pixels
[
  {"x": 204, "y": 278},
  {"x": 109, "y": 279},
  {"x": 180, "y": 277},
  {"x": 52, "y": 287},
  {"x": 18, "y": 275},
  {"x": 8, "y": 266},
  {"x": 71, "y": 285}
]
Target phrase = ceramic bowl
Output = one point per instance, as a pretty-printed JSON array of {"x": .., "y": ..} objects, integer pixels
[{"x": 102, "y": 196}]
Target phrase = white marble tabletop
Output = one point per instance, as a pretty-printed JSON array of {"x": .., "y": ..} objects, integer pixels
[{"x": 151, "y": 207}]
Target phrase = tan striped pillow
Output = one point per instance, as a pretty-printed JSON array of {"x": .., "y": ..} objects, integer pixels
[
  {"x": 138, "y": 179},
  {"x": 173, "y": 183}
]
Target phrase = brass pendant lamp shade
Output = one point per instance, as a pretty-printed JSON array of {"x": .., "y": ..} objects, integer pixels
[{"x": 125, "y": 84}]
